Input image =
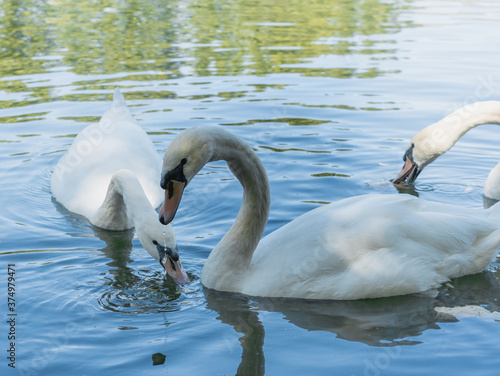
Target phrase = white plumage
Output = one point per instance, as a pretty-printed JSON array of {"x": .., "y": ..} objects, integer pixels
[
  {"x": 362, "y": 247},
  {"x": 81, "y": 178},
  {"x": 110, "y": 176},
  {"x": 492, "y": 185},
  {"x": 436, "y": 139}
]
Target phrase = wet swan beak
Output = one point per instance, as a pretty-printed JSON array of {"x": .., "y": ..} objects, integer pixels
[
  {"x": 175, "y": 270},
  {"x": 169, "y": 259},
  {"x": 173, "y": 195},
  {"x": 408, "y": 173}
]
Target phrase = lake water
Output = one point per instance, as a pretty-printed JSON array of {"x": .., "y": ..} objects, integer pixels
[{"x": 327, "y": 92}]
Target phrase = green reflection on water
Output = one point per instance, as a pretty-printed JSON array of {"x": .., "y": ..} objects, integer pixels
[
  {"x": 22, "y": 118},
  {"x": 223, "y": 37},
  {"x": 281, "y": 150},
  {"x": 289, "y": 121}
]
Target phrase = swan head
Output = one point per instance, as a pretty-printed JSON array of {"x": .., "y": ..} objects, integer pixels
[
  {"x": 410, "y": 170},
  {"x": 184, "y": 158},
  {"x": 160, "y": 243},
  {"x": 423, "y": 149},
  {"x": 436, "y": 139}
]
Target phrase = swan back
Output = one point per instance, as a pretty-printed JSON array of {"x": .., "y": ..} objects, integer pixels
[
  {"x": 81, "y": 177},
  {"x": 373, "y": 246}
]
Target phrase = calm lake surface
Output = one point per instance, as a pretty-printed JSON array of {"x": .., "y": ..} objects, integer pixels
[{"x": 327, "y": 92}]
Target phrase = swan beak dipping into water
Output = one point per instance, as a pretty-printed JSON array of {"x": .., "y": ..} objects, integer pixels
[
  {"x": 169, "y": 259},
  {"x": 438, "y": 138},
  {"x": 114, "y": 184},
  {"x": 410, "y": 170}
]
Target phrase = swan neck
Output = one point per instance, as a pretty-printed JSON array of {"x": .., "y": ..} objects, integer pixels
[
  {"x": 492, "y": 185},
  {"x": 125, "y": 205},
  {"x": 472, "y": 115},
  {"x": 438, "y": 138},
  {"x": 136, "y": 203},
  {"x": 231, "y": 257}
]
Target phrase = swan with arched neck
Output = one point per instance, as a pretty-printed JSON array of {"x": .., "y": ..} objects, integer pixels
[{"x": 362, "y": 247}]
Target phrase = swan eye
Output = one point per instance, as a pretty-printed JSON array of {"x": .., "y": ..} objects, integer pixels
[
  {"x": 409, "y": 153},
  {"x": 184, "y": 161},
  {"x": 155, "y": 242}
]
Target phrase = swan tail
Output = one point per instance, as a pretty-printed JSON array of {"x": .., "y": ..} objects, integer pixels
[
  {"x": 118, "y": 100},
  {"x": 118, "y": 110}
]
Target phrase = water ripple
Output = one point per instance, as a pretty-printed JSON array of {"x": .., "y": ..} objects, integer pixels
[{"x": 148, "y": 293}]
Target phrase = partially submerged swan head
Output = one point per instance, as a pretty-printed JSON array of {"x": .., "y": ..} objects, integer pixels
[
  {"x": 184, "y": 158},
  {"x": 126, "y": 205},
  {"x": 160, "y": 243},
  {"x": 438, "y": 138},
  {"x": 411, "y": 169}
]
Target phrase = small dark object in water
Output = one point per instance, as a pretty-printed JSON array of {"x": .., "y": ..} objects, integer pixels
[{"x": 158, "y": 359}]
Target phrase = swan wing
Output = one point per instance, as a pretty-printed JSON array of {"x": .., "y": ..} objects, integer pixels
[{"x": 371, "y": 246}]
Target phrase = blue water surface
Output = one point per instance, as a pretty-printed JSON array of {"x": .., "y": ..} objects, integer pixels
[{"x": 328, "y": 93}]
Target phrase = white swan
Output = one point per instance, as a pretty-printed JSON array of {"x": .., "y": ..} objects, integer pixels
[
  {"x": 110, "y": 176},
  {"x": 362, "y": 247},
  {"x": 492, "y": 185},
  {"x": 438, "y": 138}
]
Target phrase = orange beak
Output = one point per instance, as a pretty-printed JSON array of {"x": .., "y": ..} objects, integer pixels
[
  {"x": 173, "y": 195},
  {"x": 409, "y": 172},
  {"x": 175, "y": 270}
]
